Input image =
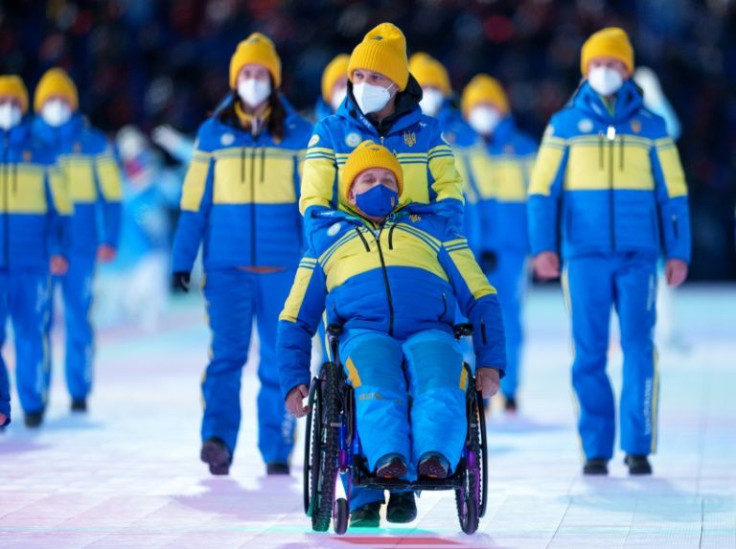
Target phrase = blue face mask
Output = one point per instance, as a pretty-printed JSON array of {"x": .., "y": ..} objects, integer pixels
[{"x": 377, "y": 202}]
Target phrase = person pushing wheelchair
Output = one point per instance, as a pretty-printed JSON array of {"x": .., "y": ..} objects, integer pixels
[{"x": 392, "y": 279}]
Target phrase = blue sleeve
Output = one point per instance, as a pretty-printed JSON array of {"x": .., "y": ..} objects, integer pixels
[
  {"x": 478, "y": 302},
  {"x": 196, "y": 201},
  {"x": 545, "y": 191},
  {"x": 4, "y": 395},
  {"x": 298, "y": 323}
]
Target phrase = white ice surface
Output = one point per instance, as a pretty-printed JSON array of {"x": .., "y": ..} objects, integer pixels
[{"x": 128, "y": 474}]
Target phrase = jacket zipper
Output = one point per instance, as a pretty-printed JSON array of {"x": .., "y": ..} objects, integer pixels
[
  {"x": 253, "y": 207},
  {"x": 388, "y": 288},
  {"x": 391, "y": 237},
  {"x": 611, "y": 135},
  {"x": 444, "y": 306}
]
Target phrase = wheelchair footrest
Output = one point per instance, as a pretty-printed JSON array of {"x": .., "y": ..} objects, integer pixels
[{"x": 450, "y": 483}]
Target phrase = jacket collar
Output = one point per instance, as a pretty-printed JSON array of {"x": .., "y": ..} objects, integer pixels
[
  {"x": 51, "y": 134},
  {"x": 628, "y": 100}
]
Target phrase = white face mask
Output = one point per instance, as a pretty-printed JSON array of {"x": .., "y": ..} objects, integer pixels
[
  {"x": 337, "y": 98},
  {"x": 254, "y": 92},
  {"x": 10, "y": 115},
  {"x": 431, "y": 101},
  {"x": 371, "y": 98},
  {"x": 484, "y": 120},
  {"x": 56, "y": 113},
  {"x": 604, "y": 80}
]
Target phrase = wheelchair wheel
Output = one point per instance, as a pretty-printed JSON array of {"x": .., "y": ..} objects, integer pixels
[
  {"x": 470, "y": 497},
  {"x": 342, "y": 514},
  {"x": 312, "y": 434},
  {"x": 325, "y": 444},
  {"x": 483, "y": 456}
]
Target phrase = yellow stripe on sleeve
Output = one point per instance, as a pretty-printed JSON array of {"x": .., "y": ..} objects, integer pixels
[
  {"x": 194, "y": 183},
  {"x": 296, "y": 295},
  {"x": 471, "y": 274},
  {"x": 318, "y": 176},
  {"x": 546, "y": 168},
  {"x": 669, "y": 159},
  {"x": 108, "y": 176},
  {"x": 447, "y": 180}
]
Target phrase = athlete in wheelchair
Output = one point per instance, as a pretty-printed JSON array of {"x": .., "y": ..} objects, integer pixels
[{"x": 395, "y": 407}]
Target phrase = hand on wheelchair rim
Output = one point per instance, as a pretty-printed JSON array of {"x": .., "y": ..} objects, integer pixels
[
  {"x": 487, "y": 381},
  {"x": 294, "y": 401}
]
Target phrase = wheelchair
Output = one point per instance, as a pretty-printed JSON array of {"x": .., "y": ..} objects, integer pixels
[{"x": 333, "y": 462}]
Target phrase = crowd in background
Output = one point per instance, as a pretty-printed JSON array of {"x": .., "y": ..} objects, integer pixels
[{"x": 152, "y": 62}]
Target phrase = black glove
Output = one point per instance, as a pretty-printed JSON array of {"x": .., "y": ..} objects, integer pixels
[
  {"x": 488, "y": 261},
  {"x": 180, "y": 281}
]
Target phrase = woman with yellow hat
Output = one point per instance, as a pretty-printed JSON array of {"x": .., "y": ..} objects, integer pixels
[
  {"x": 393, "y": 280},
  {"x": 382, "y": 104},
  {"x": 239, "y": 201},
  {"x": 500, "y": 173},
  {"x": 334, "y": 87},
  {"x": 86, "y": 162},
  {"x": 34, "y": 215},
  {"x": 609, "y": 178}
]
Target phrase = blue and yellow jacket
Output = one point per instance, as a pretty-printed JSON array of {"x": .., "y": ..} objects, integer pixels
[
  {"x": 86, "y": 161},
  {"x": 428, "y": 163},
  {"x": 500, "y": 170},
  {"x": 406, "y": 276},
  {"x": 610, "y": 180},
  {"x": 322, "y": 110},
  {"x": 463, "y": 141},
  {"x": 240, "y": 197},
  {"x": 34, "y": 204}
]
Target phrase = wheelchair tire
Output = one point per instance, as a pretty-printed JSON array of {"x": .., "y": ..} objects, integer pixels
[
  {"x": 469, "y": 498},
  {"x": 342, "y": 515},
  {"x": 312, "y": 434},
  {"x": 326, "y": 445},
  {"x": 483, "y": 456}
]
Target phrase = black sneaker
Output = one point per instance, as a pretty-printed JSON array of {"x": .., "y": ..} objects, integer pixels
[
  {"x": 277, "y": 468},
  {"x": 366, "y": 516},
  {"x": 33, "y": 419},
  {"x": 391, "y": 466},
  {"x": 79, "y": 405},
  {"x": 215, "y": 454},
  {"x": 596, "y": 466},
  {"x": 401, "y": 507},
  {"x": 433, "y": 465},
  {"x": 638, "y": 465},
  {"x": 510, "y": 405}
]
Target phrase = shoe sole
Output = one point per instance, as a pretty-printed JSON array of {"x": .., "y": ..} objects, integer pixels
[
  {"x": 433, "y": 469},
  {"x": 217, "y": 458},
  {"x": 392, "y": 470}
]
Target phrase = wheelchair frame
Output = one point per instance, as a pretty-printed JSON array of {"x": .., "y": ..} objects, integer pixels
[{"x": 332, "y": 451}]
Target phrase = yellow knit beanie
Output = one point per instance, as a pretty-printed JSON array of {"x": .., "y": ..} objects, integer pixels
[
  {"x": 609, "y": 42},
  {"x": 484, "y": 89},
  {"x": 429, "y": 72},
  {"x": 369, "y": 155},
  {"x": 13, "y": 86},
  {"x": 55, "y": 82},
  {"x": 259, "y": 49},
  {"x": 382, "y": 50},
  {"x": 336, "y": 69}
]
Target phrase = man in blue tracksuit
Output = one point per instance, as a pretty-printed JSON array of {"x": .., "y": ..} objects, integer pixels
[
  {"x": 500, "y": 174},
  {"x": 393, "y": 279},
  {"x": 610, "y": 178},
  {"x": 34, "y": 210},
  {"x": 85, "y": 160},
  {"x": 239, "y": 201}
]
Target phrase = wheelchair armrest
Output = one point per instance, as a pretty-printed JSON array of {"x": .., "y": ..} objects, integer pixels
[{"x": 463, "y": 330}]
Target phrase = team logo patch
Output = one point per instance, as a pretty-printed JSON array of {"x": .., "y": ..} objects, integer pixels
[
  {"x": 313, "y": 140},
  {"x": 227, "y": 139},
  {"x": 448, "y": 138},
  {"x": 334, "y": 229},
  {"x": 508, "y": 149},
  {"x": 352, "y": 139},
  {"x": 585, "y": 125},
  {"x": 410, "y": 138},
  {"x": 415, "y": 218},
  {"x": 635, "y": 126},
  {"x": 26, "y": 156},
  {"x": 77, "y": 147}
]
